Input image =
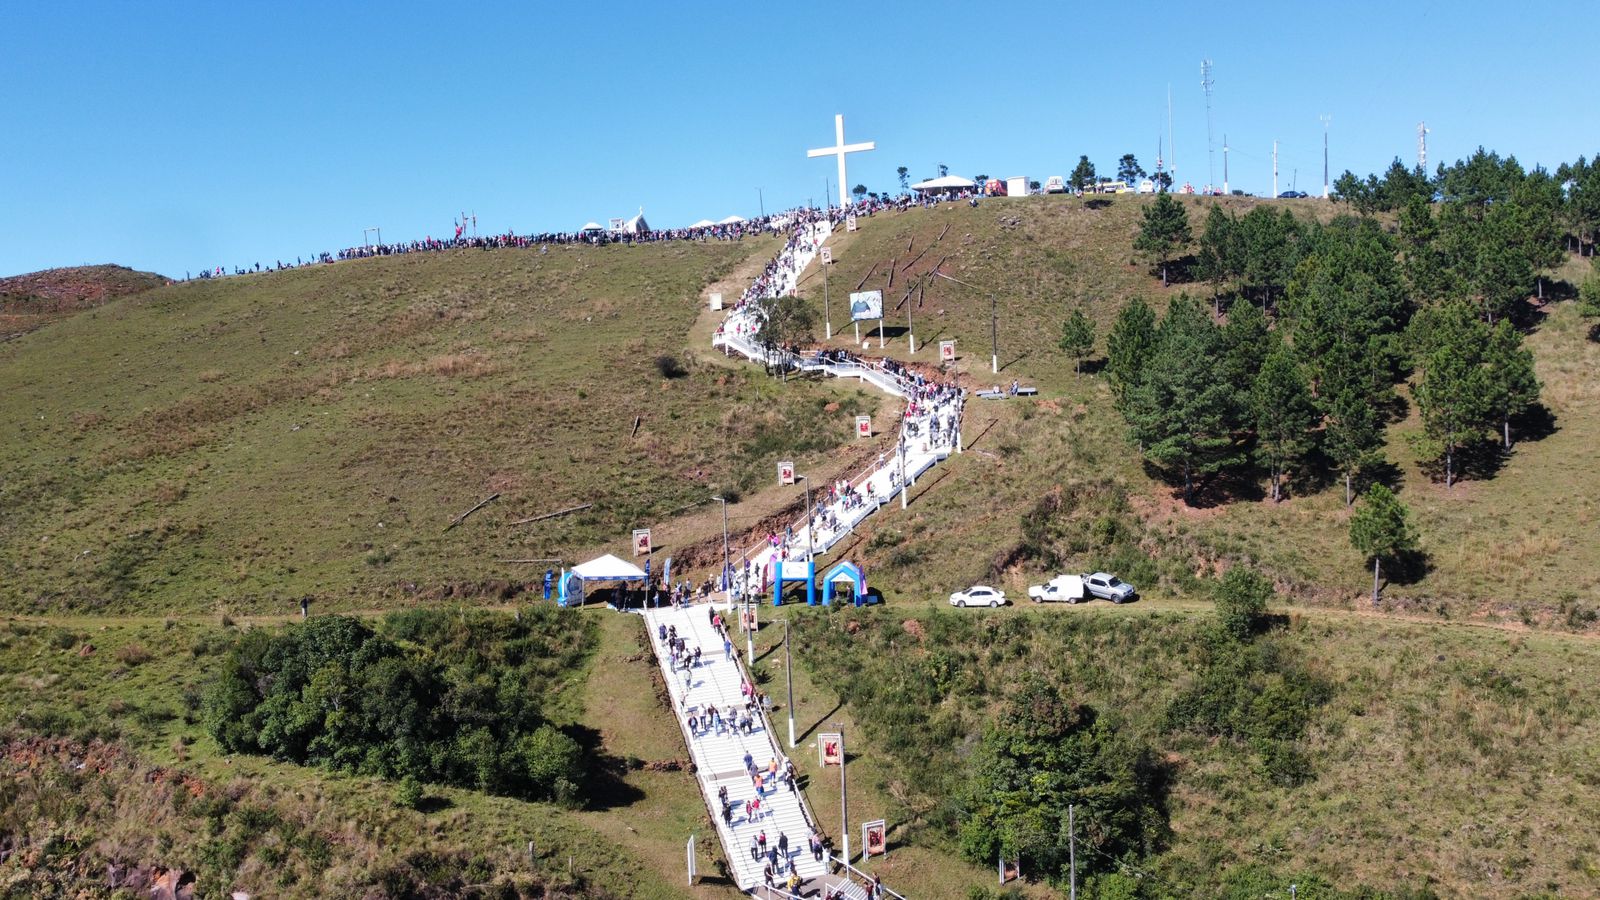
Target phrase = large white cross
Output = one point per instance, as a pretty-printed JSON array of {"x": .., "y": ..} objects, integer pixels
[{"x": 839, "y": 150}]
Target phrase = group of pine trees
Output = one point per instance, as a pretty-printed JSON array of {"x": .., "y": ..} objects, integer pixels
[{"x": 1312, "y": 326}]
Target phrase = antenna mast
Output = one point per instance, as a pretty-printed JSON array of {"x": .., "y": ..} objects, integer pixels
[
  {"x": 1422, "y": 146},
  {"x": 1225, "y": 190},
  {"x": 1274, "y": 169},
  {"x": 1211, "y": 160},
  {"x": 1172, "y": 154},
  {"x": 1325, "y": 120}
]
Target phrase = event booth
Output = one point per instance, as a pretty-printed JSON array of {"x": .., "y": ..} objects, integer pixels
[
  {"x": 946, "y": 186},
  {"x": 794, "y": 570},
  {"x": 575, "y": 581}
]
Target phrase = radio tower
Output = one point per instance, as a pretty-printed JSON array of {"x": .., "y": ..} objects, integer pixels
[
  {"x": 1211, "y": 156},
  {"x": 1325, "y": 120},
  {"x": 1422, "y": 146}
]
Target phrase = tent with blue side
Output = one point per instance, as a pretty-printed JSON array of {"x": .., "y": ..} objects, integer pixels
[
  {"x": 575, "y": 582},
  {"x": 846, "y": 573}
]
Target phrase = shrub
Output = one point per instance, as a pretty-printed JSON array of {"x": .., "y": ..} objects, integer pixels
[
  {"x": 409, "y": 794},
  {"x": 133, "y": 654},
  {"x": 1242, "y": 602}
]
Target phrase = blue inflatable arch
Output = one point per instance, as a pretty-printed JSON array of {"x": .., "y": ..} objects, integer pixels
[{"x": 844, "y": 571}]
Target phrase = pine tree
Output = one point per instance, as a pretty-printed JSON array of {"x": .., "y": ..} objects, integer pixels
[
  {"x": 1515, "y": 387},
  {"x": 1245, "y": 343},
  {"x": 1454, "y": 392},
  {"x": 1352, "y": 434},
  {"x": 1164, "y": 231},
  {"x": 1077, "y": 338},
  {"x": 1381, "y": 529},
  {"x": 1280, "y": 403},
  {"x": 1181, "y": 411},
  {"x": 1129, "y": 345},
  {"x": 1217, "y": 257},
  {"x": 1083, "y": 174}
]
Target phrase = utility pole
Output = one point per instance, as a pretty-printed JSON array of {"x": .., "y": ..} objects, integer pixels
[
  {"x": 904, "y": 488},
  {"x": 1325, "y": 120},
  {"x": 1274, "y": 169},
  {"x": 910, "y": 331},
  {"x": 788, "y": 676},
  {"x": 1072, "y": 853},
  {"x": 1225, "y": 165},
  {"x": 762, "y": 199}
]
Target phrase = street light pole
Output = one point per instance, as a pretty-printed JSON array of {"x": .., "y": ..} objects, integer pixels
[
  {"x": 788, "y": 676},
  {"x": 810, "y": 534},
  {"x": 994, "y": 338},
  {"x": 827, "y": 317},
  {"x": 844, "y": 796},
  {"x": 903, "y": 486},
  {"x": 727, "y": 577}
]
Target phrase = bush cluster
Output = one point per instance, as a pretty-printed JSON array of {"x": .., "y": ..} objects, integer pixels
[{"x": 443, "y": 697}]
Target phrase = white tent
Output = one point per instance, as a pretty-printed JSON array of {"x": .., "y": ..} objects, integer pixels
[
  {"x": 731, "y": 220},
  {"x": 703, "y": 223},
  {"x": 946, "y": 185},
  {"x": 608, "y": 568},
  {"x": 592, "y": 226}
]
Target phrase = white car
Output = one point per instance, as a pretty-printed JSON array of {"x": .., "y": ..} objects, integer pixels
[{"x": 978, "y": 595}]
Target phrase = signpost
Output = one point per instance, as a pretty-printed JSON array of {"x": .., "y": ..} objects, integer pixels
[
  {"x": 947, "y": 351},
  {"x": 641, "y": 542},
  {"x": 873, "y": 836},
  {"x": 716, "y": 301},
  {"x": 786, "y": 472},
  {"x": 867, "y": 305},
  {"x": 863, "y": 426},
  {"x": 691, "y": 859},
  {"x": 850, "y": 222}
]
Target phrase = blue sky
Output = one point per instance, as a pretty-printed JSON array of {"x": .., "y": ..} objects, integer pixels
[{"x": 174, "y": 137}]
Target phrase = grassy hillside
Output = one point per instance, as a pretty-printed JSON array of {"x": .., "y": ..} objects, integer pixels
[
  {"x": 38, "y": 298},
  {"x": 1445, "y": 758},
  {"x": 253, "y": 440},
  {"x": 1511, "y": 547}
]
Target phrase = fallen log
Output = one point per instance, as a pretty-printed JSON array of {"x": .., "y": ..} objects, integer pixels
[
  {"x": 481, "y": 504},
  {"x": 862, "y": 283},
  {"x": 552, "y": 515}
]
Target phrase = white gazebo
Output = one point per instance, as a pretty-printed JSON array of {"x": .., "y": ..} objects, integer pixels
[
  {"x": 731, "y": 220},
  {"x": 592, "y": 226},
  {"x": 944, "y": 186},
  {"x": 703, "y": 223}
]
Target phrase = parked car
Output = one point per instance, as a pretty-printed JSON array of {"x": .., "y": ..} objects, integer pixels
[
  {"x": 1108, "y": 587},
  {"x": 1067, "y": 588},
  {"x": 1292, "y": 195},
  {"x": 1056, "y": 185},
  {"x": 978, "y": 595}
]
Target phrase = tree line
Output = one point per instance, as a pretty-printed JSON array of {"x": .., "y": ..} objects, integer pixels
[{"x": 428, "y": 696}]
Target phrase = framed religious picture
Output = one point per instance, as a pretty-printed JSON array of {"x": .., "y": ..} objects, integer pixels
[
  {"x": 786, "y": 472},
  {"x": 641, "y": 542},
  {"x": 830, "y": 749},
  {"x": 874, "y": 838},
  {"x": 863, "y": 426},
  {"x": 850, "y": 222},
  {"x": 947, "y": 351},
  {"x": 827, "y": 255},
  {"x": 716, "y": 301}
]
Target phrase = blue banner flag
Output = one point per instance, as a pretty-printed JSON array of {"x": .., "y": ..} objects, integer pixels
[{"x": 549, "y": 578}]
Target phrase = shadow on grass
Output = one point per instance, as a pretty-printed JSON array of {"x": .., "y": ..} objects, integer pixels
[
  {"x": 1534, "y": 424},
  {"x": 1407, "y": 568},
  {"x": 811, "y": 729},
  {"x": 605, "y": 784}
]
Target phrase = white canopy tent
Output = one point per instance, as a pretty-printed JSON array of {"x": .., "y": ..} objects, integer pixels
[
  {"x": 703, "y": 223},
  {"x": 575, "y": 581},
  {"x": 592, "y": 226},
  {"x": 731, "y": 220},
  {"x": 948, "y": 184}
]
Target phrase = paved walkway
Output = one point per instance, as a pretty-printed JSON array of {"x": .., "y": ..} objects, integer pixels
[{"x": 719, "y": 754}]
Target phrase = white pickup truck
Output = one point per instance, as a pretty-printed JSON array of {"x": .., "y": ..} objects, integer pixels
[{"x": 1068, "y": 588}]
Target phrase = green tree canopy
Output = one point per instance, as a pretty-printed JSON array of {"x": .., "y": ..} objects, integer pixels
[
  {"x": 1513, "y": 385},
  {"x": 1182, "y": 411},
  {"x": 1454, "y": 389},
  {"x": 1280, "y": 403},
  {"x": 1129, "y": 346},
  {"x": 1381, "y": 529},
  {"x": 1077, "y": 338},
  {"x": 1128, "y": 169},
  {"x": 1163, "y": 232},
  {"x": 1083, "y": 174},
  {"x": 1241, "y": 597}
]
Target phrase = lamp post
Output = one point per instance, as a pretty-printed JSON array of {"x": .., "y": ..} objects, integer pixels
[
  {"x": 726, "y": 579},
  {"x": 810, "y": 533},
  {"x": 994, "y": 322},
  {"x": 788, "y": 677},
  {"x": 903, "y": 486},
  {"x": 844, "y": 796}
]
